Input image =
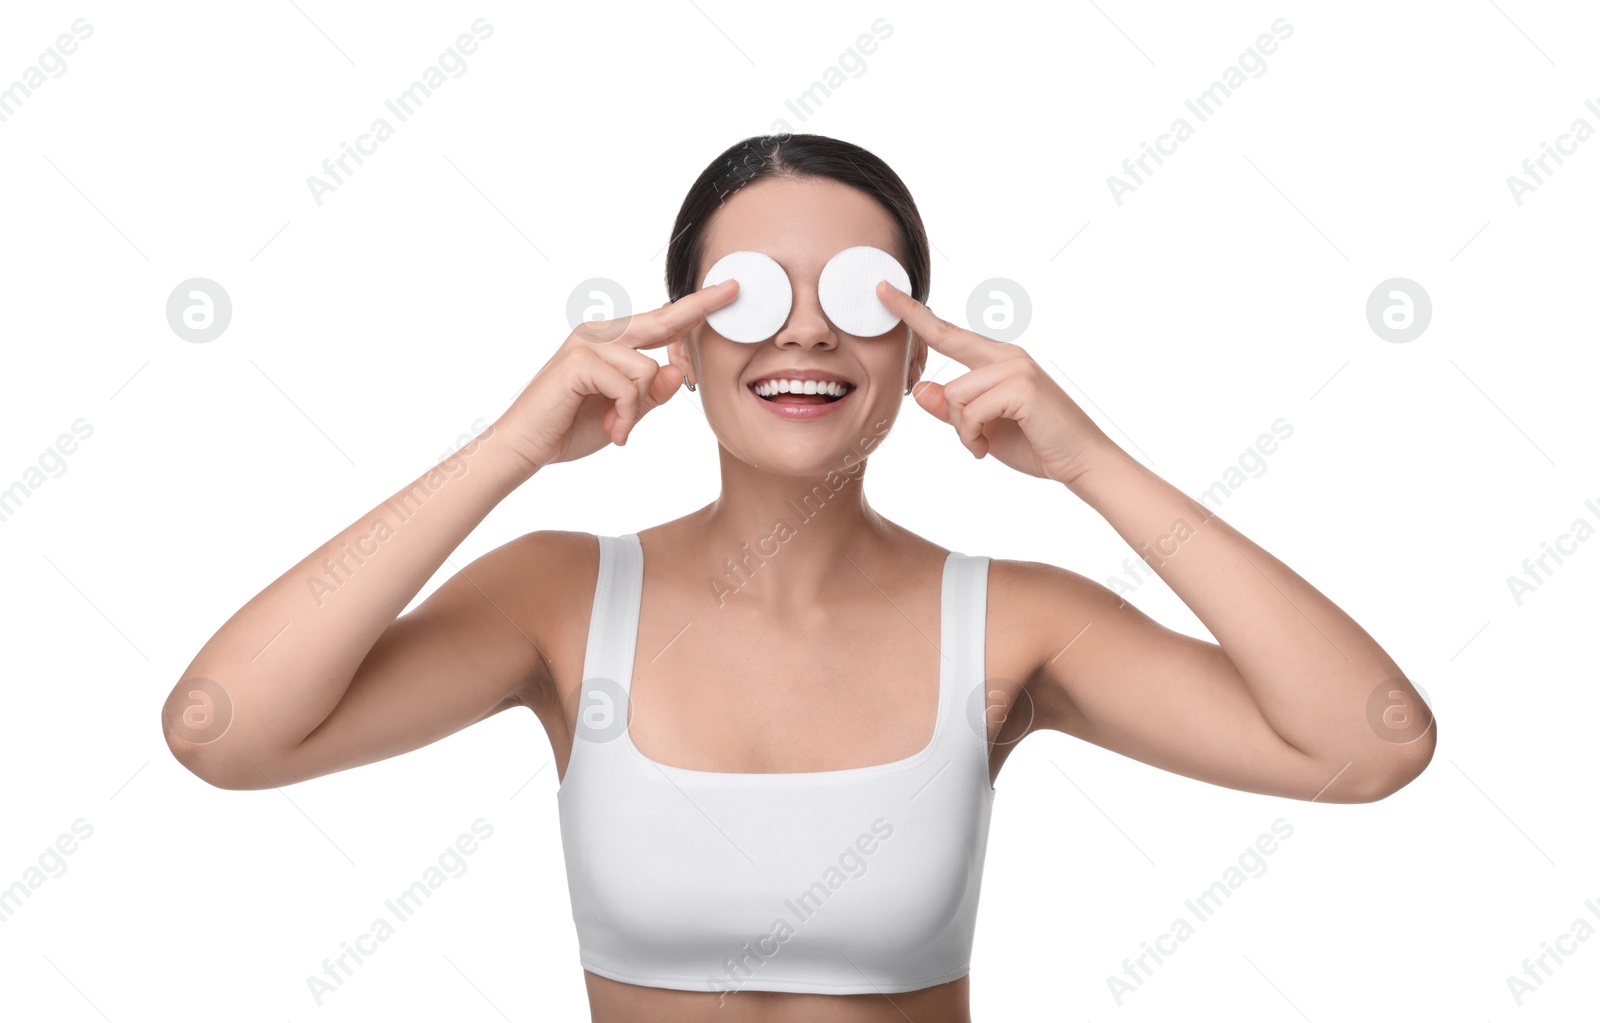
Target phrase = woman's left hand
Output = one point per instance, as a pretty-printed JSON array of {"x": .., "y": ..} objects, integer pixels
[{"x": 1007, "y": 405}]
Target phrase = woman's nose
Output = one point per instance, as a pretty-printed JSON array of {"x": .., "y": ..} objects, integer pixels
[{"x": 807, "y": 326}]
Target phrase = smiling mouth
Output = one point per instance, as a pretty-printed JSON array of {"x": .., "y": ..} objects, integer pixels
[{"x": 783, "y": 392}]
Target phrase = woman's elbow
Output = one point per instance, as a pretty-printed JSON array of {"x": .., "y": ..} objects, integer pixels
[{"x": 1408, "y": 761}]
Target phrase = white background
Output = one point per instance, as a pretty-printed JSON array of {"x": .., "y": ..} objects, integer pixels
[{"x": 370, "y": 332}]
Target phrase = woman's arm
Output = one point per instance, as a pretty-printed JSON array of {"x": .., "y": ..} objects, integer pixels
[
  {"x": 315, "y": 674},
  {"x": 1294, "y": 699}
]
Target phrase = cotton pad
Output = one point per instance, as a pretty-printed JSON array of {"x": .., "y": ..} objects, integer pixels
[
  {"x": 763, "y": 301},
  {"x": 848, "y": 290}
]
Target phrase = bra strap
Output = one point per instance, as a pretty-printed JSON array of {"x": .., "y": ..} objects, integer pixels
[
  {"x": 964, "y": 620},
  {"x": 613, "y": 622},
  {"x": 608, "y": 655}
]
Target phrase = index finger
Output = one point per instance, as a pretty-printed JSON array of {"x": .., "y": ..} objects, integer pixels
[
  {"x": 966, "y": 347},
  {"x": 660, "y": 326}
]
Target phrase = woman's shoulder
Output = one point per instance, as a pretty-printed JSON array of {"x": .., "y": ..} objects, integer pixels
[
  {"x": 555, "y": 547},
  {"x": 1040, "y": 584},
  {"x": 549, "y": 565},
  {"x": 552, "y": 541},
  {"x": 544, "y": 580}
]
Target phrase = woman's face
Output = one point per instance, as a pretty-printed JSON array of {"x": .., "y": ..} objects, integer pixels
[{"x": 801, "y": 224}]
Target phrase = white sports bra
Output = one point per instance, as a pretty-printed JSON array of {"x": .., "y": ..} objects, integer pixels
[{"x": 855, "y": 881}]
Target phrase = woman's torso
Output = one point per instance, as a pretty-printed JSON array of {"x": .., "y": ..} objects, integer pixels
[{"x": 840, "y": 684}]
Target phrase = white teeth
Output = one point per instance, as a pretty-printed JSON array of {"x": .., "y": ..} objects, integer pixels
[{"x": 770, "y": 387}]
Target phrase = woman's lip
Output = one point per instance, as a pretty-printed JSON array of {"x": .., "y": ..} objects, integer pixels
[{"x": 800, "y": 413}]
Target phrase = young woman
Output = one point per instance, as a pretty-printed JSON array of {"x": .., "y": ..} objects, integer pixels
[{"x": 777, "y": 720}]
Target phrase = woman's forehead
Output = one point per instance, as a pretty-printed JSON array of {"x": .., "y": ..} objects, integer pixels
[{"x": 800, "y": 223}]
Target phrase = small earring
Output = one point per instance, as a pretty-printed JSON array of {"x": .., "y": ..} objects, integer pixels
[
  {"x": 691, "y": 386},
  {"x": 908, "y": 388}
]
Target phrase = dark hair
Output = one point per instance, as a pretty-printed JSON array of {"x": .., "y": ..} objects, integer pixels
[{"x": 794, "y": 156}]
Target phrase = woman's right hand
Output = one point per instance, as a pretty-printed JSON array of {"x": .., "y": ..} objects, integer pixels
[{"x": 599, "y": 384}]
